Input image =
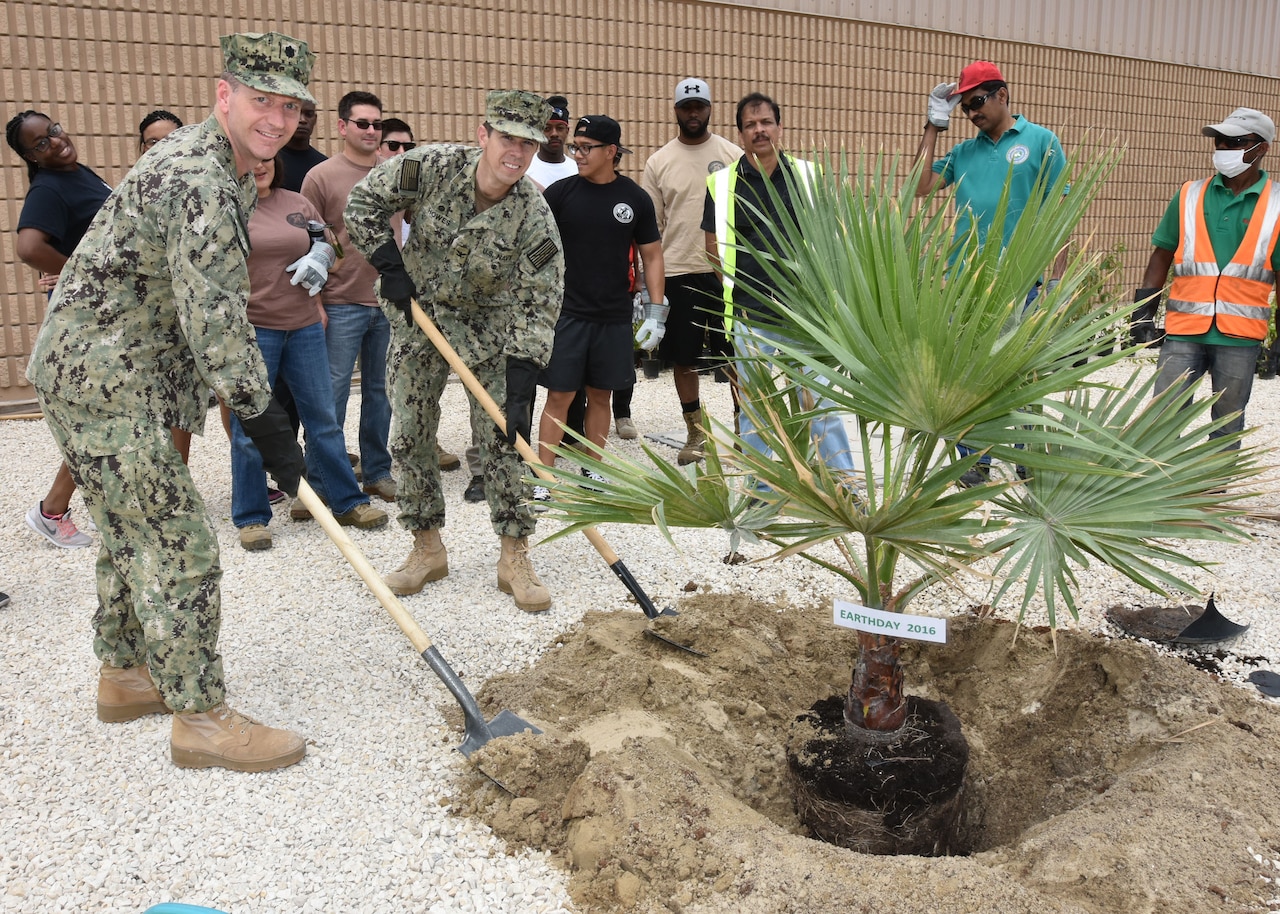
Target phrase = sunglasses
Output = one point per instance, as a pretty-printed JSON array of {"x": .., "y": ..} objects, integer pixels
[
  {"x": 976, "y": 102},
  {"x": 397, "y": 145},
  {"x": 1236, "y": 142},
  {"x": 42, "y": 144},
  {"x": 584, "y": 148},
  {"x": 362, "y": 124}
]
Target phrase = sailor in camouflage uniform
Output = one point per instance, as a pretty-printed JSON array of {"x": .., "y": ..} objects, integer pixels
[
  {"x": 150, "y": 311},
  {"x": 485, "y": 254}
]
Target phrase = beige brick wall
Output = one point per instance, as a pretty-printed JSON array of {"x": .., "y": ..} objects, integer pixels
[{"x": 98, "y": 68}]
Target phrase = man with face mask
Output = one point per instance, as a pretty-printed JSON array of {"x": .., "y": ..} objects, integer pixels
[{"x": 1219, "y": 235}]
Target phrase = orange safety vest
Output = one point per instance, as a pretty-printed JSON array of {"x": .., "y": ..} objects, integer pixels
[{"x": 1238, "y": 295}]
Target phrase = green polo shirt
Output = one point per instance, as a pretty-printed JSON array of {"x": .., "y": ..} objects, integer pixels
[
  {"x": 979, "y": 167},
  {"x": 1226, "y": 218}
]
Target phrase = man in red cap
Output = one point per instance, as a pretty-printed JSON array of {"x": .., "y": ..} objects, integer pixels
[{"x": 1008, "y": 149}]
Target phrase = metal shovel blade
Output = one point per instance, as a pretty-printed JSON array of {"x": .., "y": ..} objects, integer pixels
[
  {"x": 1211, "y": 627},
  {"x": 504, "y": 724}
]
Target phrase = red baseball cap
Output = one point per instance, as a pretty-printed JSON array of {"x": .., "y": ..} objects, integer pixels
[{"x": 977, "y": 73}]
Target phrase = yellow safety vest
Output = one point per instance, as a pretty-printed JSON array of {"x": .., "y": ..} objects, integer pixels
[
  {"x": 1239, "y": 294},
  {"x": 722, "y": 186}
]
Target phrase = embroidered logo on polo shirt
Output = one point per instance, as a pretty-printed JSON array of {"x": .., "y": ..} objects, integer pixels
[
  {"x": 1017, "y": 155},
  {"x": 623, "y": 213},
  {"x": 714, "y": 166}
]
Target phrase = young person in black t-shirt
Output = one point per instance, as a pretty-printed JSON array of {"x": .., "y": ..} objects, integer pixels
[{"x": 600, "y": 213}]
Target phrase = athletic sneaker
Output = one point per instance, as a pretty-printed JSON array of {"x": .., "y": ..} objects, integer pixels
[
  {"x": 592, "y": 475},
  {"x": 275, "y": 496},
  {"x": 4, "y": 600},
  {"x": 58, "y": 530},
  {"x": 541, "y": 498}
]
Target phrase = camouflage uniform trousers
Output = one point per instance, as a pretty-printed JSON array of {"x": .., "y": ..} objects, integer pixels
[
  {"x": 157, "y": 570},
  {"x": 419, "y": 374}
]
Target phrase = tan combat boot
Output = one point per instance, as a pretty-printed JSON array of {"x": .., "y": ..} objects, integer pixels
[
  {"x": 223, "y": 738},
  {"x": 427, "y": 561},
  {"x": 692, "y": 450},
  {"x": 517, "y": 577},
  {"x": 127, "y": 694}
]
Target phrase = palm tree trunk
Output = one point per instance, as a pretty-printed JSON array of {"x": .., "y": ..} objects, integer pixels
[{"x": 875, "y": 700}]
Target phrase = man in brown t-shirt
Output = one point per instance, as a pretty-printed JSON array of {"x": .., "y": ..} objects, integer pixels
[{"x": 357, "y": 326}]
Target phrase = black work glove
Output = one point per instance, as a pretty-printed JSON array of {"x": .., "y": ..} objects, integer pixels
[
  {"x": 396, "y": 287},
  {"x": 277, "y": 442},
  {"x": 522, "y": 384},
  {"x": 1149, "y": 298}
]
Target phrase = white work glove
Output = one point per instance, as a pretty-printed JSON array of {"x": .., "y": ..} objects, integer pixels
[
  {"x": 940, "y": 106},
  {"x": 654, "y": 327},
  {"x": 311, "y": 270}
]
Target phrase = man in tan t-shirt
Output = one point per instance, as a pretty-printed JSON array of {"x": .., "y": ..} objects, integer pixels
[
  {"x": 676, "y": 178},
  {"x": 357, "y": 326}
]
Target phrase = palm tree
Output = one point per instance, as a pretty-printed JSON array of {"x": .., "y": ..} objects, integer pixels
[{"x": 922, "y": 337}]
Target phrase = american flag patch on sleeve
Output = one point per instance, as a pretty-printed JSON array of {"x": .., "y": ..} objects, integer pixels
[{"x": 540, "y": 256}]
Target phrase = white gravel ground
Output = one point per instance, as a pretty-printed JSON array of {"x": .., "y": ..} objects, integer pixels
[{"x": 94, "y": 817}]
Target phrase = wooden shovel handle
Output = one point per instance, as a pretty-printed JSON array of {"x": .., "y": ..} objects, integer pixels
[{"x": 320, "y": 511}]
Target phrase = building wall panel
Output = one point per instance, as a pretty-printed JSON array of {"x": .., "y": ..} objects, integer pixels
[{"x": 848, "y": 74}]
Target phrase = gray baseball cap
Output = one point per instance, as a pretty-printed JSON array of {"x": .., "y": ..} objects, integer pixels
[{"x": 1242, "y": 122}]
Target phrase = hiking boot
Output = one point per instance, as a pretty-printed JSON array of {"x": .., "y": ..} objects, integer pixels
[
  {"x": 355, "y": 466},
  {"x": 626, "y": 428},
  {"x": 127, "y": 694},
  {"x": 692, "y": 451},
  {"x": 298, "y": 511},
  {"x": 541, "y": 498},
  {"x": 255, "y": 537},
  {"x": 517, "y": 577},
  {"x": 447, "y": 461},
  {"x": 427, "y": 561},
  {"x": 58, "y": 530},
  {"x": 977, "y": 475},
  {"x": 384, "y": 488},
  {"x": 223, "y": 738},
  {"x": 363, "y": 517},
  {"x": 475, "y": 490}
]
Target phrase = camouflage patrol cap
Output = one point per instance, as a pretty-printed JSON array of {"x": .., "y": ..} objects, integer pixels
[
  {"x": 270, "y": 62},
  {"x": 518, "y": 113}
]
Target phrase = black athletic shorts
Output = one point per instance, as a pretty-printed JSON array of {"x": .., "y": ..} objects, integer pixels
[
  {"x": 696, "y": 320},
  {"x": 590, "y": 354}
]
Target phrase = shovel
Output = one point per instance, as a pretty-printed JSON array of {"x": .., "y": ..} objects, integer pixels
[
  {"x": 593, "y": 536},
  {"x": 478, "y": 732}
]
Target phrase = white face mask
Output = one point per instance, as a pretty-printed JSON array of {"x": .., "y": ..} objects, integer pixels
[{"x": 1230, "y": 162}]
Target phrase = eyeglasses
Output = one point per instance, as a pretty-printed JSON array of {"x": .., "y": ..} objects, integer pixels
[
  {"x": 362, "y": 124},
  {"x": 397, "y": 145},
  {"x": 1236, "y": 142},
  {"x": 976, "y": 102},
  {"x": 42, "y": 144},
  {"x": 584, "y": 148}
]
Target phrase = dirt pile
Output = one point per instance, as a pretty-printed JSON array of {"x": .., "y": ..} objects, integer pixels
[{"x": 1102, "y": 777}]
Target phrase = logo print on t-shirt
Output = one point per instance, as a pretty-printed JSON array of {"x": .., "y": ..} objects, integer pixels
[
  {"x": 714, "y": 166},
  {"x": 623, "y": 213},
  {"x": 1017, "y": 155}
]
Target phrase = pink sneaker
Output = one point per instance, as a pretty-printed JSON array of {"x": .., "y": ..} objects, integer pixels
[{"x": 58, "y": 530}]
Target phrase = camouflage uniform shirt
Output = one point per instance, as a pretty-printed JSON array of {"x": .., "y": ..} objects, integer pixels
[
  {"x": 150, "y": 310},
  {"x": 493, "y": 282}
]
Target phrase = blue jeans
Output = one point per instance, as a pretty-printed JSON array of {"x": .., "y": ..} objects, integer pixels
[
  {"x": 1230, "y": 368},
  {"x": 360, "y": 330},
  {"x": 826, "y": 430},
  {"x": 301, "y": 358}
]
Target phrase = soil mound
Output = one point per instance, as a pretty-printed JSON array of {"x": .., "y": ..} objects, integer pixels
[{"x": 1102, "y": 777}]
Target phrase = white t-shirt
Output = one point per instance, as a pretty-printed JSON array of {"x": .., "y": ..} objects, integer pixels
[{"x": 547, "y": 173}]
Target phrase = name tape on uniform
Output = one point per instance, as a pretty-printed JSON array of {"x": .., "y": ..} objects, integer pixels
[{"x": 895, "y": 625}]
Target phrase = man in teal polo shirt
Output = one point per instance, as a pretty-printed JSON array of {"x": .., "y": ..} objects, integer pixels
[
  {"x": 1008, "y": 149},
  {"x": 1218, "y": 312}
]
